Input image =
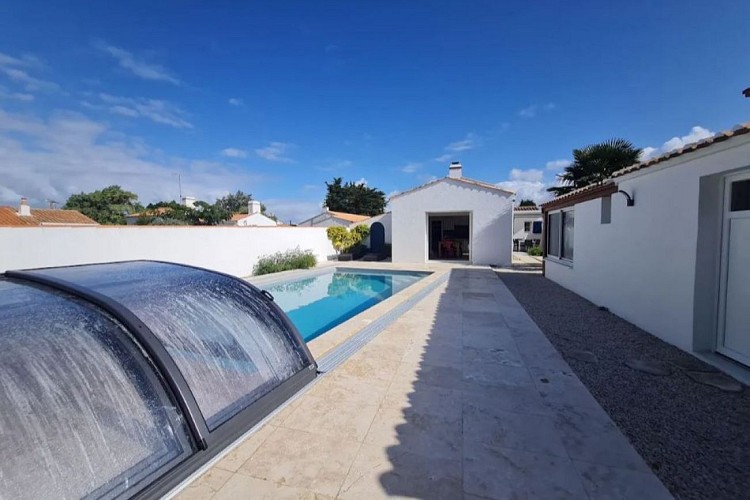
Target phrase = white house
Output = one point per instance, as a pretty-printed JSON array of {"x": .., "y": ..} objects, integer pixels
[
  {"x": 253, "y": 217},
  {"x": 527, "y": 227},
  {"x": 330, "y": 218},
  {"x": 453, "y": 218},
  {"x": 665, "y": 244}
]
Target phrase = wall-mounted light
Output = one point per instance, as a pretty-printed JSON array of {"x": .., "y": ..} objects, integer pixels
[{"x": 631, "y": 201}]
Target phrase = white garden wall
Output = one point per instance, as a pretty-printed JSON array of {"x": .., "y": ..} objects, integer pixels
[
  {"x": 643, "y": 266},
  {"x": 491, "y": 221},
  {"x": 232, "y": 250}
]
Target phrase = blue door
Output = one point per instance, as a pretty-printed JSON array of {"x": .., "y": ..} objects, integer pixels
[{"x": 377, "y": 237}]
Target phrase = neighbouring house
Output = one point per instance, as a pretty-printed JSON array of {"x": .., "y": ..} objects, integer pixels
[
  {"x": 527, "y": 227},
  {"x": 253, "y": 217},
  {"x": 330, "y": 218},
  {"x": 453, "y": 218},
  {"x": 25, "y": 216},
  {"x": 665, "y": 244},
  {"x": 132, "y": 219}
]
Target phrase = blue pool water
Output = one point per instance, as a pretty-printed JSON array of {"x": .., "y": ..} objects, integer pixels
[{"x": 317, "y": 304}]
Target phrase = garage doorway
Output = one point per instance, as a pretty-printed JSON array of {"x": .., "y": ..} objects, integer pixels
[{"x": 449, "y": 236}]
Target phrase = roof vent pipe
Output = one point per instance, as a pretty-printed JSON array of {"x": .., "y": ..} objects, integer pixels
[
  {"x": 24, "y": 210},
  {"x": 455, "y": 171}
]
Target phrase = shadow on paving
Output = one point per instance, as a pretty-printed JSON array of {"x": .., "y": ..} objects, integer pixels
[
  {"x": 694, "y": 437},
  {"x": 477, "y": 424},
  {"x": 427, "y": 462}
]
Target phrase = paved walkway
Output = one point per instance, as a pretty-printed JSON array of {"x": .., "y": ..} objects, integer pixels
[
  {"x": 461, "y": 397},
  {"x": 524, "y": 258}
]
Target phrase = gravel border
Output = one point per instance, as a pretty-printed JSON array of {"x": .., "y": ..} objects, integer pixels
[{"x": 694, "y": 437}]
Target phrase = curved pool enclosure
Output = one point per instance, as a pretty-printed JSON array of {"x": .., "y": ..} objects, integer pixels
[{"x": 121, "y": 379}]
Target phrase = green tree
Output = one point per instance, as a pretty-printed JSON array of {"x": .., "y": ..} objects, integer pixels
[
  {"x": 105, "y": 206},
  {"x": 208, "y": 215},
  {"x": 527, "y": 203},
  {"x": 235, "y": 203},
  {"x": 354, "y": 198},
  {"x": 595, "y": 163}
]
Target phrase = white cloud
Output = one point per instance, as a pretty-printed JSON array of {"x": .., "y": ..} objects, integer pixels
[
  {"x": 15, "y": 96},
  {"x": 528, "y": 184},
  {"x": 156, "y": 110},
  {"x": 530, "y": 175},
  {"x": 532, "y": 110},
  {"x": 235, "y": 101},
  {"x": 411, "y": 167},
  {"x": 136, "y": 66},
  {"x": 234, "y": 153},
  {"x": 361, "y": 182},
  {"x": 696, "y": 134},
  {"x": 16, "y": 70},
  {"x": 557, "y": 165},
  {"x": 470, "y": 142},
  {"x": 68, "y": 153},
  {"x": 276, "y": 151},
  {"x": 444, "y": 158},
  {"x": 311, "y": 187},
  {"x": 528, "y": 112},
  {"x": 293, "y": 210}
]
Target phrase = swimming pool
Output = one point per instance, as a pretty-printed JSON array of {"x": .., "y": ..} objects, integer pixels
[{"x": 318, "y": 303}]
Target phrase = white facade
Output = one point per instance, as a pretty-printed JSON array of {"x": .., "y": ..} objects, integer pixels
[
  {"x": 256, "y": 220},
  {"x": 324, "y": 219},
  {"x": 490, "y": 219},
  {"x": 384, "y": 219},
  {"x": 330, "y": 218},
  {"x": 228, "y": 249},
  {"x": 524, "y": 229},
  {"x": 658, "y": 263}
]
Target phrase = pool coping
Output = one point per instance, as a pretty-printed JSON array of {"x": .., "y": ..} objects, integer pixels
[{"x": 324, "y": 344}]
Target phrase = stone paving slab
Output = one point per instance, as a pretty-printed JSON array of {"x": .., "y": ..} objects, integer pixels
[{"x": 463, "y": 396}]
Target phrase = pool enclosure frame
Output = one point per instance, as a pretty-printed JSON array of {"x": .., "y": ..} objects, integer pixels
[{"x": 206, "y": 443}]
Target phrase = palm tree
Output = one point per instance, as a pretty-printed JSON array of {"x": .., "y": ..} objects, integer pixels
[{"x": 593, "y": 164}]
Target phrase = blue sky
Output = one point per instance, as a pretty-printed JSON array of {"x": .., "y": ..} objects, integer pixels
[{"x": 277, "y": 98}]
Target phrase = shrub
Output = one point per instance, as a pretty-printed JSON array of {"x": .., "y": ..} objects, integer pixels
[
  {"x": 360, "y": 232},
  {"x": 347, "y": 241},
  {"x": 535, "y": 251},
  {"x": 340, "y": 237},
  {"x": 285, "y": 261}
]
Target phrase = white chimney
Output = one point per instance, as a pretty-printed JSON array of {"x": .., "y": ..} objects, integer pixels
[
  {"x": 188, "y": 201},
  {"x": 253, "y": 207},
  {"x": 455, "y": 170},
  {"x": 24, "y": 210}
]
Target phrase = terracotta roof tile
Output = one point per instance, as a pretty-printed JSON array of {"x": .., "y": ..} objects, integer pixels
[
  {"x": 46, "y": 216},
  {"x": 526, "y": 209},
  {"x": 9, "y": 218},
  {"x": 40, "y": 216},
  {"x": 349, "y": 217}
]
